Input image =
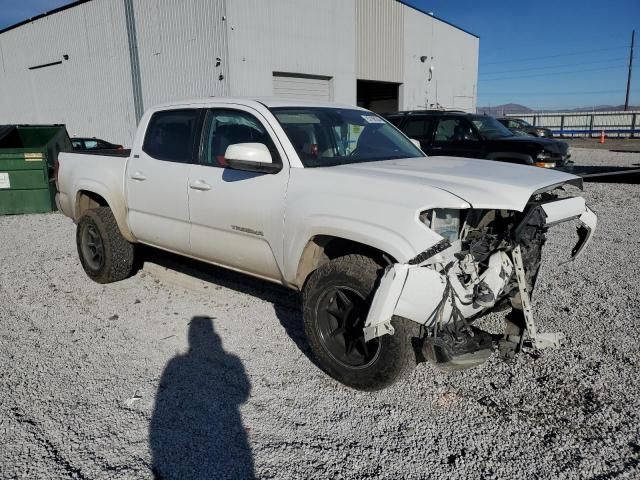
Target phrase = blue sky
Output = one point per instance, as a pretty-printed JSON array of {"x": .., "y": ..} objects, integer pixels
[{"x": 543, "y": 54}]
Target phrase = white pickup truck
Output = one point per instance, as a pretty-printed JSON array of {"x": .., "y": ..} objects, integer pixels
[{"x": 396, "y": 253}]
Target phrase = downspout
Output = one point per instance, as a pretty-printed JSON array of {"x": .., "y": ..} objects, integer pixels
[{"x": 134, "y": 60}]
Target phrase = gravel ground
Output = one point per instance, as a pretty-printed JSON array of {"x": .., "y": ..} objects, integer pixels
[
  {"x": 615, "y": 144},
  {"x": 206, "y": 375}
]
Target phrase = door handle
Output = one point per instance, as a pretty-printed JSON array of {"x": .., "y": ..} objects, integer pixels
[
  {"x": 200, "y": 185},
  {"x": 436, "y": 148},
  {"x": 138, "y": 176}
]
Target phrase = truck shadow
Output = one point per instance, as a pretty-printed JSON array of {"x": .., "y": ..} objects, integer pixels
[
  {"x": 286, "y": 303},
  {"x": 196, "y": 430}
]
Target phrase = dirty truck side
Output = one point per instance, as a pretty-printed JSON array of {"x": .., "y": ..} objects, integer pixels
[{"x": 396, "y": 253}]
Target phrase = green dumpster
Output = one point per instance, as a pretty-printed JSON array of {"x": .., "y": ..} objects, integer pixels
[{"x": 27, "y": 157}]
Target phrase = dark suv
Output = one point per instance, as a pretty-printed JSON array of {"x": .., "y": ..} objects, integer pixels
[{"x": 461, "y": 134}]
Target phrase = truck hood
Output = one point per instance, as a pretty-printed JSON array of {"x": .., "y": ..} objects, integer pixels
[{"x": 482, "y": 183}]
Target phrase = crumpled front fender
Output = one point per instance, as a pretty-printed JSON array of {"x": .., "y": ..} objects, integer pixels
[{"x": 431, "y": 295}]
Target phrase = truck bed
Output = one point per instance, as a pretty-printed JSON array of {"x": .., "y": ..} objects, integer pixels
[
  {"x": 107, "y": 152},
  {"x": 98, "y": 172}
]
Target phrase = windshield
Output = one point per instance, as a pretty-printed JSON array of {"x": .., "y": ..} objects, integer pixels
[
  {"x": 490, "y": 128},
  {"x": 336, "y": 136}
]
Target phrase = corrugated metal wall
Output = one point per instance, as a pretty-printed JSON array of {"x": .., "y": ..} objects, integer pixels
[
  {"x": 291, "y": 36},
  {"x": 89, "y": 91},
  {"x": 453, "y": 56},
  {"x": 179, "y": 44},
  {"x": 380, "y": 40}
]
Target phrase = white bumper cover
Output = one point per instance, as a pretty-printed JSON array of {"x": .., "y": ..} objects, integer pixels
[{"x": 430, "y": 293}]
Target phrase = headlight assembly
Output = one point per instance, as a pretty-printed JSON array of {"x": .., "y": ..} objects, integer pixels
[
  {"x": 444, "y": 221},
  {"x": 544, "y": 160}
]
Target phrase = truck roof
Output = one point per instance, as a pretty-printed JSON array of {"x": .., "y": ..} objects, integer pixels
[{"x": 269, "y": 102}]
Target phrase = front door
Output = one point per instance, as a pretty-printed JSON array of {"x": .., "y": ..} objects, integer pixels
[
  {"x": 157, "y": 179},
  {"x": 456, "y": 137},
  {"x": 236, "y": 216}
]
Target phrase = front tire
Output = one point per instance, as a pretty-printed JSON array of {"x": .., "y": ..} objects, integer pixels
[
  {"x": 106, "y": 256},
  {"x": 336, "y": 300}
]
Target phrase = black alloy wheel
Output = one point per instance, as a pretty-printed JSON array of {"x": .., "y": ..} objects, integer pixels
[{"x": 341, "y": 313}]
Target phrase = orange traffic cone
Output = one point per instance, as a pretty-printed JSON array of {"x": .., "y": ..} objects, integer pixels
[{"x": 601, "y": 137}]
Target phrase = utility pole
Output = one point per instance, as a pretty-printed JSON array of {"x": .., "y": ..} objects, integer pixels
[{"x": 626, "y": 99}]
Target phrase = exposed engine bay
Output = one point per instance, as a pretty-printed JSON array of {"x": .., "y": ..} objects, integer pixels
[{"x": 488, "y": 260}]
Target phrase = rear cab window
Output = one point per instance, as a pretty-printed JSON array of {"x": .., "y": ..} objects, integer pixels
[{"x": 173, "y": 135}]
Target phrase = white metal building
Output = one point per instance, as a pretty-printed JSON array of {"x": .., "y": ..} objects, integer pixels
[{"x": 96, "y": 65}]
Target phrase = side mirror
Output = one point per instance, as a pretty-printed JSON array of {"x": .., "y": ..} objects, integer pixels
[
  {"x": 250, "y": 157},
  {"x": 416, "y": 143}
]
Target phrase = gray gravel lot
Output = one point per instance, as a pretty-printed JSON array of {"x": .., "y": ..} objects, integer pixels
[{"x": 206, "y": 375}]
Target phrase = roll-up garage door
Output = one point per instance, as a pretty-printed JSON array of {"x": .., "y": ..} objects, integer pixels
[{"x": 307, "y": 87}]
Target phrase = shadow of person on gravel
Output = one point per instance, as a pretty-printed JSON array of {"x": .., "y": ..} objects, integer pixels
[{"x": 196, "y": 430}]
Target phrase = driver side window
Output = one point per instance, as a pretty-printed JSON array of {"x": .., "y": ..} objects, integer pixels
[
  {"x": 454, "y": 130},
  {"x": 225, "y": 127}
]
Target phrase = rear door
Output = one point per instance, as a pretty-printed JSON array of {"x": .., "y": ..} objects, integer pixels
[
  {"x": 455, "y": 136},
  {"x": 237, "y": 216},
  {"x": 157, "y": 179}
]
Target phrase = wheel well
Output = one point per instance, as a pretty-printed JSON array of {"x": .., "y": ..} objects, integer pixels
[
  {"x": 87, "y": 200},
  {"x": 323, "y": 248}
]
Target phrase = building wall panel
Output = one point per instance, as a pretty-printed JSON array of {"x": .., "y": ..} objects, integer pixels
[
  {"x": 451, "y": 52},
  {"x": 179, "y": 44},
  {"x": 199, "y": 48},
  {"x": 295, "y": 36},
  {"x": 379, "y": 40},
  {"x": 89, "y": 92}
]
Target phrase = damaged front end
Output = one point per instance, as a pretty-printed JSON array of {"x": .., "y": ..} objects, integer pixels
[{"x": 487, "y": 260}]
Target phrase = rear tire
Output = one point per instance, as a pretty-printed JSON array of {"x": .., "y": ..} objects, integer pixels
[
  {"x": 336, "y": 300},
  {"x": 105, "y": 254}
]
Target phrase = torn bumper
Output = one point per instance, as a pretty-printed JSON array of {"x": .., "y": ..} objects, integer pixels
[
  {"x": 433, "y": 292},
  {"x": 567, "y": 209}
]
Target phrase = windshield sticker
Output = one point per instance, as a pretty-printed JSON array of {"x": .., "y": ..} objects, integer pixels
[{"x": 372, "y": 119}]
